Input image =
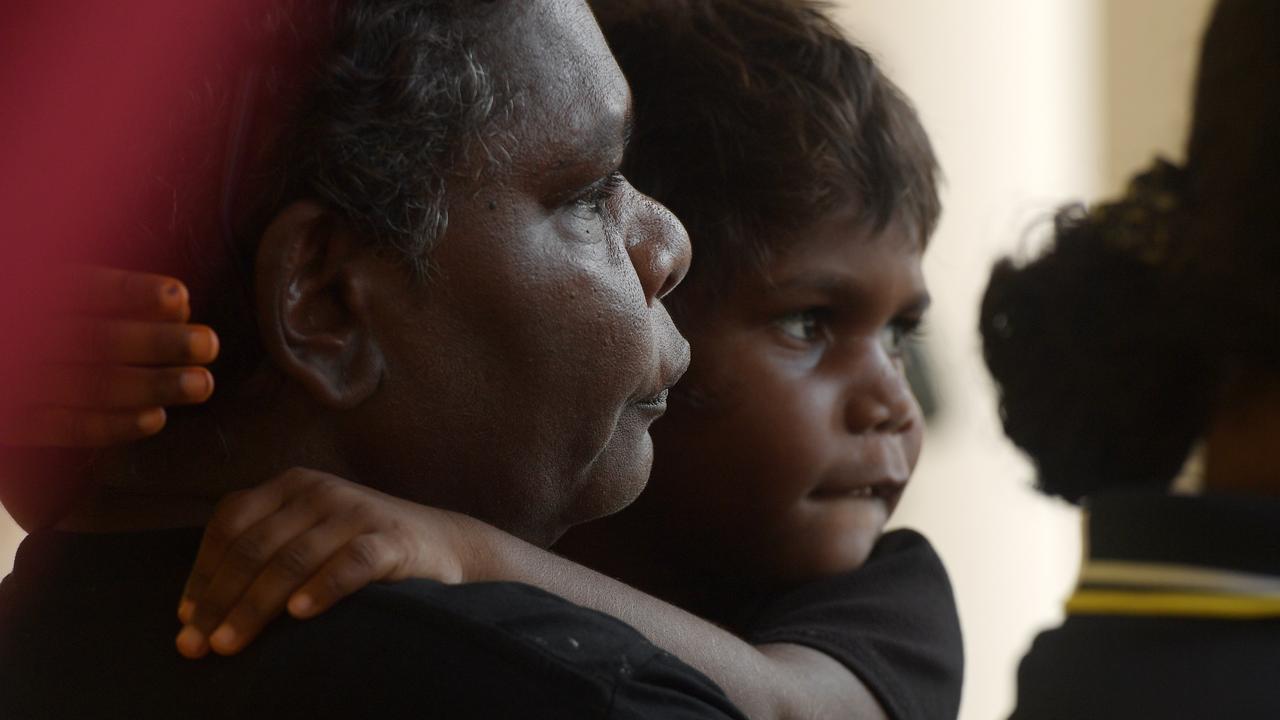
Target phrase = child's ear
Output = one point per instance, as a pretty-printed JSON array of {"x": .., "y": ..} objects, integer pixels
[{"x": 313, "y": 305}]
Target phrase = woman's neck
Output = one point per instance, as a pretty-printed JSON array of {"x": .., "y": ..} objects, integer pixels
[{"x": 177, "y": 478}]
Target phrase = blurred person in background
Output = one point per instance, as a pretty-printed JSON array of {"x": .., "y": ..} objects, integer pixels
[{"x": 1151, "y": 325}]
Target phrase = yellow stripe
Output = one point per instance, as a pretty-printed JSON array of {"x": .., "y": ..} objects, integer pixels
[{"x": 1106, "y": 602}]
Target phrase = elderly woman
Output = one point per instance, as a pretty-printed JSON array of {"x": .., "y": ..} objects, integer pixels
[{"x": 403, "y": 157}]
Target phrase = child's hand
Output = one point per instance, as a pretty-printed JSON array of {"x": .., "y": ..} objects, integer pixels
[
  {"x": 115, "y": 352},
  {"x": 303, "y": 541}
]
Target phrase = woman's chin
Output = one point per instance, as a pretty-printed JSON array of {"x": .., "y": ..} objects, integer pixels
[{"x": 616, "y": 478}]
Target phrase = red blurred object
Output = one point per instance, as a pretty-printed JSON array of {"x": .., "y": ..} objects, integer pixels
[{"x": 105, "y": 113}]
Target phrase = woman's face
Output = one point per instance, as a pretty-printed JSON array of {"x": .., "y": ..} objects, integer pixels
[{"x": 524, "y": 374}]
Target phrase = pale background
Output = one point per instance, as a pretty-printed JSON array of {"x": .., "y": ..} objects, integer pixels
[{"x": 1030, "y": 103}]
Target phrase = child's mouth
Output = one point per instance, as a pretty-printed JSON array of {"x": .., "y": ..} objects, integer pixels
[
  {"x": 880, "y": 491},
  {"x": 862, "y": 492}
]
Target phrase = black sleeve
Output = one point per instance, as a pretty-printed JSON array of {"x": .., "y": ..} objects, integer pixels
[
  {"x": 893, "y": 623},
  {"x": 667, "y": 688},
  {"x": 418, "y": 649}
]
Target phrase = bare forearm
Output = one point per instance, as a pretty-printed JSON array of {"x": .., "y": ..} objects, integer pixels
[
  {"x": 352, "y": 536},
  {"x": 772, "y": 681}
]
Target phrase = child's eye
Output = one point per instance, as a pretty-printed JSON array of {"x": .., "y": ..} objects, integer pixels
[
  {"x": 805, "y": 325},
  {"x": 895, "y": 336},
  {"x": 593, "y": 200}
]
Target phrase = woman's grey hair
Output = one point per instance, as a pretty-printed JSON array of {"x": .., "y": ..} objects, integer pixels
[
  {"x": 401, "y": 104},
  {"x": 386, "y": 106}
]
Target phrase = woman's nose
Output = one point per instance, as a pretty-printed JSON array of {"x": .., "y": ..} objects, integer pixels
[{"x": 659, "y": 248}]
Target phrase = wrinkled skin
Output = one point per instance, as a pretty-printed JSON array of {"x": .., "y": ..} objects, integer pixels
[
  {"x": 518, "y": 382},
  {"x": 521, "y": 372}
]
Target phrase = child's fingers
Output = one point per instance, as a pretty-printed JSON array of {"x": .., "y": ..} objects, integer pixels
[
  {"x": 350, "y": 561},
  {"x": 106, "y": 292},
  {"x": 128, "y": 342},
  {"x": 111, "y": 387},
  {"x": 243, "y": 562},
  {"x": 235, "y": 514},
  {"x": 366, "y": 559},
  {"x": 70, "y": 427}
]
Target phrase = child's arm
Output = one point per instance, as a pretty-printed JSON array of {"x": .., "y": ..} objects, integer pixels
[
  {"x": 114, "y": 352},
  {"x": 307, "y": 539}
]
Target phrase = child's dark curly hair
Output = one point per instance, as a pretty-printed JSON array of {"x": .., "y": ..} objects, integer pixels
[
  {"x": 1110, "y": 349},
  {"x": 757, "y": 118}
]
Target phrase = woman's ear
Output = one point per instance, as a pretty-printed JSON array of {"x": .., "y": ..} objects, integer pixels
[{"x": 312, "y": 286}]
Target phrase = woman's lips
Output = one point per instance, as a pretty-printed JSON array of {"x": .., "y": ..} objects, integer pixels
[
  {"x": 657, "y": 401},
  {"x": 675, "y": 362}
]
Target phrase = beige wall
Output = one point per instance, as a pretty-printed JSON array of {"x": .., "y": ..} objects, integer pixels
[
  {"x": 10, "y": 535},
  {"x": 1151, "y": 48}
]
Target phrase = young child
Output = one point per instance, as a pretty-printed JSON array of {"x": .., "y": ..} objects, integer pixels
[{"x": 808, "y": 187}]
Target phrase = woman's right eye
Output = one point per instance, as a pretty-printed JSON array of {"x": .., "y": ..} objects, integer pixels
[{"x": 594, "y": 199}]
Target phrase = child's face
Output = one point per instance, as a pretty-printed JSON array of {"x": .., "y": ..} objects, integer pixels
[{"x": 791, "y": 439}]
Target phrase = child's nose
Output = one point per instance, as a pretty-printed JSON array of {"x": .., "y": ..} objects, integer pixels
[
  {"x": 879, "y": 399},
  {"x": 659, "y": 248}
]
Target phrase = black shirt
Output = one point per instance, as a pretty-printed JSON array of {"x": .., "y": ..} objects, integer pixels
[
  {"x": 1133, "y": 654},
  {"x": 893, "y": 623},
  {"x": 87, "y": 624}
]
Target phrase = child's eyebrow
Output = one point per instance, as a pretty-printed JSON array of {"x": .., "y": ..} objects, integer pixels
[
  {"x": 918, "y": 304},
  {"x": 845, "y": 290}
]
